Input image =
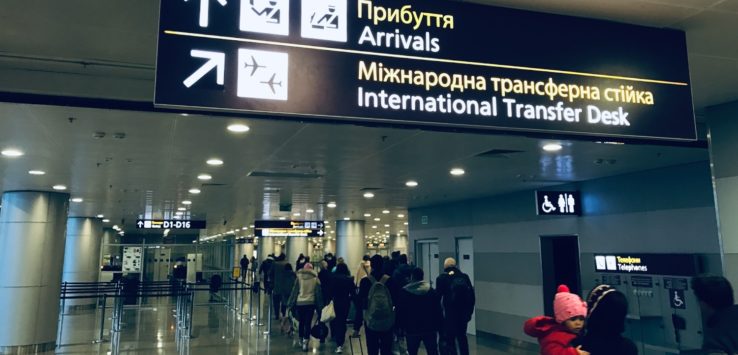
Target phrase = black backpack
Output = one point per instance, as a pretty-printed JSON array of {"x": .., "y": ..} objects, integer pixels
[{"x": 461, "y": 296}]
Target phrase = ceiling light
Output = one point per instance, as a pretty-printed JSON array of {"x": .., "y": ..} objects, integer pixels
[
  {"x": 457, "y": 172},
  {"x": 182, "y": 209},
  {"x": 77, "y": 200},
  {"x": 37, "y": 172},
  {"x": 204, "y": 177},
  {"x": 405, "y": 223},
  {"x": 59, "y": 187},
  {"x": 309, "y": 210},
  {"x": 386, "y": 211},
  {"x": 106, "y": 220},
  {"x": 411, "y": 183},
  {"x": 367, "y": 214},
  {"x": 346, "y": 219},
  {"x": 282, "y": 218},
  {"x": 331, "y": 205},
  {"x": 251, "y": 226},
  {"x": 368, "y": 195},
  {"x": 100, "y": 216},
  {"x": 296, "y": 214},
  {"x": 178, "y": 213},
  {"x": 401, "y": 216},
  {"x": 195, "y": 191},
  {"x": 12, "y": 153},
  {"x": 386, "y": 226},
  {"x": 377, "y": 219},
  {"x": 186, "y": 202},
  {"x": 215, "y": 162},
  {"x": 239, "y": 128},
  {"x": 552, "y": 147},
  {"x": 116, "y": 227}
]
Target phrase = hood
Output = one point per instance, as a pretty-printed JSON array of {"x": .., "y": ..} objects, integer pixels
[
  {"x": 306, "y": 274},
  {"x": 539, "y": 327},
  {"x": 419, "y": 288}
]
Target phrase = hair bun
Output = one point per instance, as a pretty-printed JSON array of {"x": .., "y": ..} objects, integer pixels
[{"x": 563, "y": 288}]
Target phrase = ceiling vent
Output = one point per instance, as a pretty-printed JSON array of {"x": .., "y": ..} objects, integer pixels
[
  {"x": 283, "y": 175},
  {"x": 498, "y": 153}
]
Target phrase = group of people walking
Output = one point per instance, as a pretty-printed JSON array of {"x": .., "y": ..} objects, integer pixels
[{"x": 387, "y": 296}]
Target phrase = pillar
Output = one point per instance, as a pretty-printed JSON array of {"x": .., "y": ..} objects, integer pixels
[
  {"x": 32, "y": 226},
  {"x": 266, "y": 247},
  {"x": 350, "y": 242},
  {"x": 295, "y": 247},
  {"x": 277, "y": 249},
  {"x": 329, "y": 245},
  {"x": 248, "y": 249},
  {"x": 81, "y": 253}
]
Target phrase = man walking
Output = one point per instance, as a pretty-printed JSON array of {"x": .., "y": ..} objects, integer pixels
[{"x": 457, "y": 299}]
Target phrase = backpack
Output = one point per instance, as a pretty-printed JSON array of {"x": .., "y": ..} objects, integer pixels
[
  {"x": 379, "y": 314},
  {"x": 461, "y": 296}
]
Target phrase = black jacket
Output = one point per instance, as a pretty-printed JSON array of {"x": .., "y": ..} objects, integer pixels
[
  {"x": 342, "y": 293},
  {"x": 419, "y": 309},
  {"x": 721, "y": 331},
  {"x": 443, "y": 287}
]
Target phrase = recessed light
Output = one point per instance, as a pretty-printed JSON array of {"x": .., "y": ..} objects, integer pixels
[
  {"x": 400, "y": 215},
  {"x": 239, "y": 128},
  {"x": 367, "y": 214},
  {"x": 106, "y": 220},
  {"x": 204, "y": 177},
  {"x": 12, "y": 153},
  {"x": 377, "y": 219},
  {"x": 215, "y": 162},
  {"x": 187, "y": 202},
  {"x": 346, "y": 219},
  {"x": 386, "y": 211},
  {"x": 77, "y": 200},
  {"x": 411, "y": 183},
  {"x": 331, "y": 205},
  {"x": 457, "y": 172},
  {"x": 178, "y": 213},
  {"x": 374, "y": 227},
  {"x": 405, "y": 223},
  {"x": 182, "y": 209},
  {"x": 386, "y": 226},
  {"x": 296, "y": 214},
  {"x": 37, "y": 172},
  {"x": 100, "y": 216},
  {"x": 195, "y": 191},
  {"x": 552, "y": 147},
  {"x": 309, "y": 210},
  {"x": 368, "y": 195},
  {"x": 282, "y": 218},
  {"x": 59, "y": 187}
]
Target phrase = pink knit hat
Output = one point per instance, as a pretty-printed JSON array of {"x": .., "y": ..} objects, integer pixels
[
  {"x": 568, "y": 305},
  {"x": 308, "y": 266}
]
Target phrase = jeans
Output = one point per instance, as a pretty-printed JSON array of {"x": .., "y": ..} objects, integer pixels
[
  {"x": 429, "y": 340},
  {"x": 455, "y": 332},
  {"x": 276, "y": 303},
  {"x": 378, "y": 342},
  {"x": 305, "y": 319},
  {"x": 338, "y": 330}
]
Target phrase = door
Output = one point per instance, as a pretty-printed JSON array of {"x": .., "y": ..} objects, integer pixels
[
  {"x": 428, "y": 259},
  {"x": 465, "y": 261},
  {"x": 560, "y": 265}
]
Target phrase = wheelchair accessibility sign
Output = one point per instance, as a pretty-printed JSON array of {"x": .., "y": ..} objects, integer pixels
[{"x": 677, "y": 299}]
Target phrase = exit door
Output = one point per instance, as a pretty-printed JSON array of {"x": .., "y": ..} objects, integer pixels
[
  {"x": 465, "y": 261},
  {"x": 560, "y": 265},
  {"x": 428, "y": 259}
]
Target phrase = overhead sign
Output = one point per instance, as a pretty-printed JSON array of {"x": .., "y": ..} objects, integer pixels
[
  {"x": 289, "y": 228},
  {"x": 558, "y": 203},
  {"x": 650, "y": 264},
  {"x": 169, "y": 224},
  {"x": 427, "y": 63}
]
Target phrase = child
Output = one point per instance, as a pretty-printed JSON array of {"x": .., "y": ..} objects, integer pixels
[{"x": 556, "y": 335}]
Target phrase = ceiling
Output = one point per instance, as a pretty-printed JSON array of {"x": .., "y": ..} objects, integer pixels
[{"x": 106, "y": 49}]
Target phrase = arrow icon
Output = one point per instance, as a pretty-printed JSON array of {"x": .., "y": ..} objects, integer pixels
[
  {"x": 140, "y": 224},
  {"x": 215, "y": 60},
  {"x": 205, "y": 11},
  {"x": 320, "y": 232}
]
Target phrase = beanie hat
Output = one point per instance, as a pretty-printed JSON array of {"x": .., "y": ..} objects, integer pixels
[
  {"x": 308, "y": 266},
  {"x": 568, "y": 305},
  {"x": 608, "y": 308}
]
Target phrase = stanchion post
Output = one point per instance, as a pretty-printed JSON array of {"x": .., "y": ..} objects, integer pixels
[
  {"x": 102, "y": 319},
  {"x": 192, "y": 310},
  {"x": 269, "y": 313}
]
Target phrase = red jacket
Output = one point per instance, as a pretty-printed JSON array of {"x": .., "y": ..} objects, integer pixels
[{"x": 553, "y": 337}]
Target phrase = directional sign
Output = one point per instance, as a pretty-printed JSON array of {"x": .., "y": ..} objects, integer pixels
[
  {"x": 441, "y": 63},
  {"x": 289, "y": 228},
  {"x": 169, "y": 224},
  {"x": 650, "y": 264}
]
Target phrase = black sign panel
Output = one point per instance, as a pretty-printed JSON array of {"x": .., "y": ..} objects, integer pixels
[
  {"x": 169, "y": 224},
  {"x": 289, "y": 228},
  {"x": 650, "y": 264},
  {"x": 558, "y": 203},
  {"x": 676, "y": 283},
  {"x": 439, "y": 63},
  {"x": 677, "y": 299}
]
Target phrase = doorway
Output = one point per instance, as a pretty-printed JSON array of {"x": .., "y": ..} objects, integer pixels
[
  {"x": 428, "y": 258},
  {"x": 465, "y": 261},
  {"x": 560, "y": 265}
]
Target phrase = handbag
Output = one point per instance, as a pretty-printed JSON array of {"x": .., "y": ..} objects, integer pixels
[
  {"x": 319, "y": 331},
  {"x": 328, "y": 313}
]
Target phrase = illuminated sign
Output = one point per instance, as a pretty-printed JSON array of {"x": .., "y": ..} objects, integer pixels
[
  {"x": 650, "y": 264},
  {"x": 169, "y": 224},
  {"x": 558, "y": 203},
  {"x": 425, "y": 63},
  {"x": 289, "y": 228}
]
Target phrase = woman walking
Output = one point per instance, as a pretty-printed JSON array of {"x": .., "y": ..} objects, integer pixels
[
  {"x": 306, "y": 297},
  {"x": 342, "y": 293}
]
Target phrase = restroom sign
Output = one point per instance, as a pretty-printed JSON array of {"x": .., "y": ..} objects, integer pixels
[{"x": 558, "y": 203}]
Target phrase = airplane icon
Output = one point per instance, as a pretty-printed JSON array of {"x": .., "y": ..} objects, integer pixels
[
  {"x": 272, "y": 83},
  {"x": 254, "y": 65}
]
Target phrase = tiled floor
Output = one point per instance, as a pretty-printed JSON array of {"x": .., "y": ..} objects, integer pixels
[{"x": 217, "y": 329}]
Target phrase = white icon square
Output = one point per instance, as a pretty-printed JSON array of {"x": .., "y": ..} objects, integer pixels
[
  {"x": 612, "y": 263},
  {"x": 600, "y": 261},
  {"x": 262, "y": 74},
  {"x": 265, "y": 16},
  {"x": 324, "y": 19},
  {"x": 147, "y": 224}
]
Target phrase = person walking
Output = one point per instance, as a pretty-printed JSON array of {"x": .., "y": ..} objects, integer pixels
[
  {"x": 375, "y": 301},
  {"x": 364, "y": 269},
  {"x": 244, "y": 263},
  {"x": 605, "y": 324},
  {"x": 342, "y": 293},
  {"x": 458, "y": 300},
  {"x": 284, "y": 280},
  {"x": 306, "y": 297},
  {"x": 267, "y": 273},
  {"x": 419, "y": 314},
  {"x": 719, "y": 313},
  {"x": 557, "y": 335}
]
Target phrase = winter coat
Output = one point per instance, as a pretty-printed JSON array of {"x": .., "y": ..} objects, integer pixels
[
  {"x": 419, "y": 309},
  {"x": 342, "y": 293},
  {"x": 283, "y": 279},
  {"x": 443, "y": 286},
  {"x": 325, "y": 283},
  {"x": 721, "y": 331},
  {"x": 307, "y": 290},
  {"x": 553, "y": 337},
  {"x": 608, "y": 345}
]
